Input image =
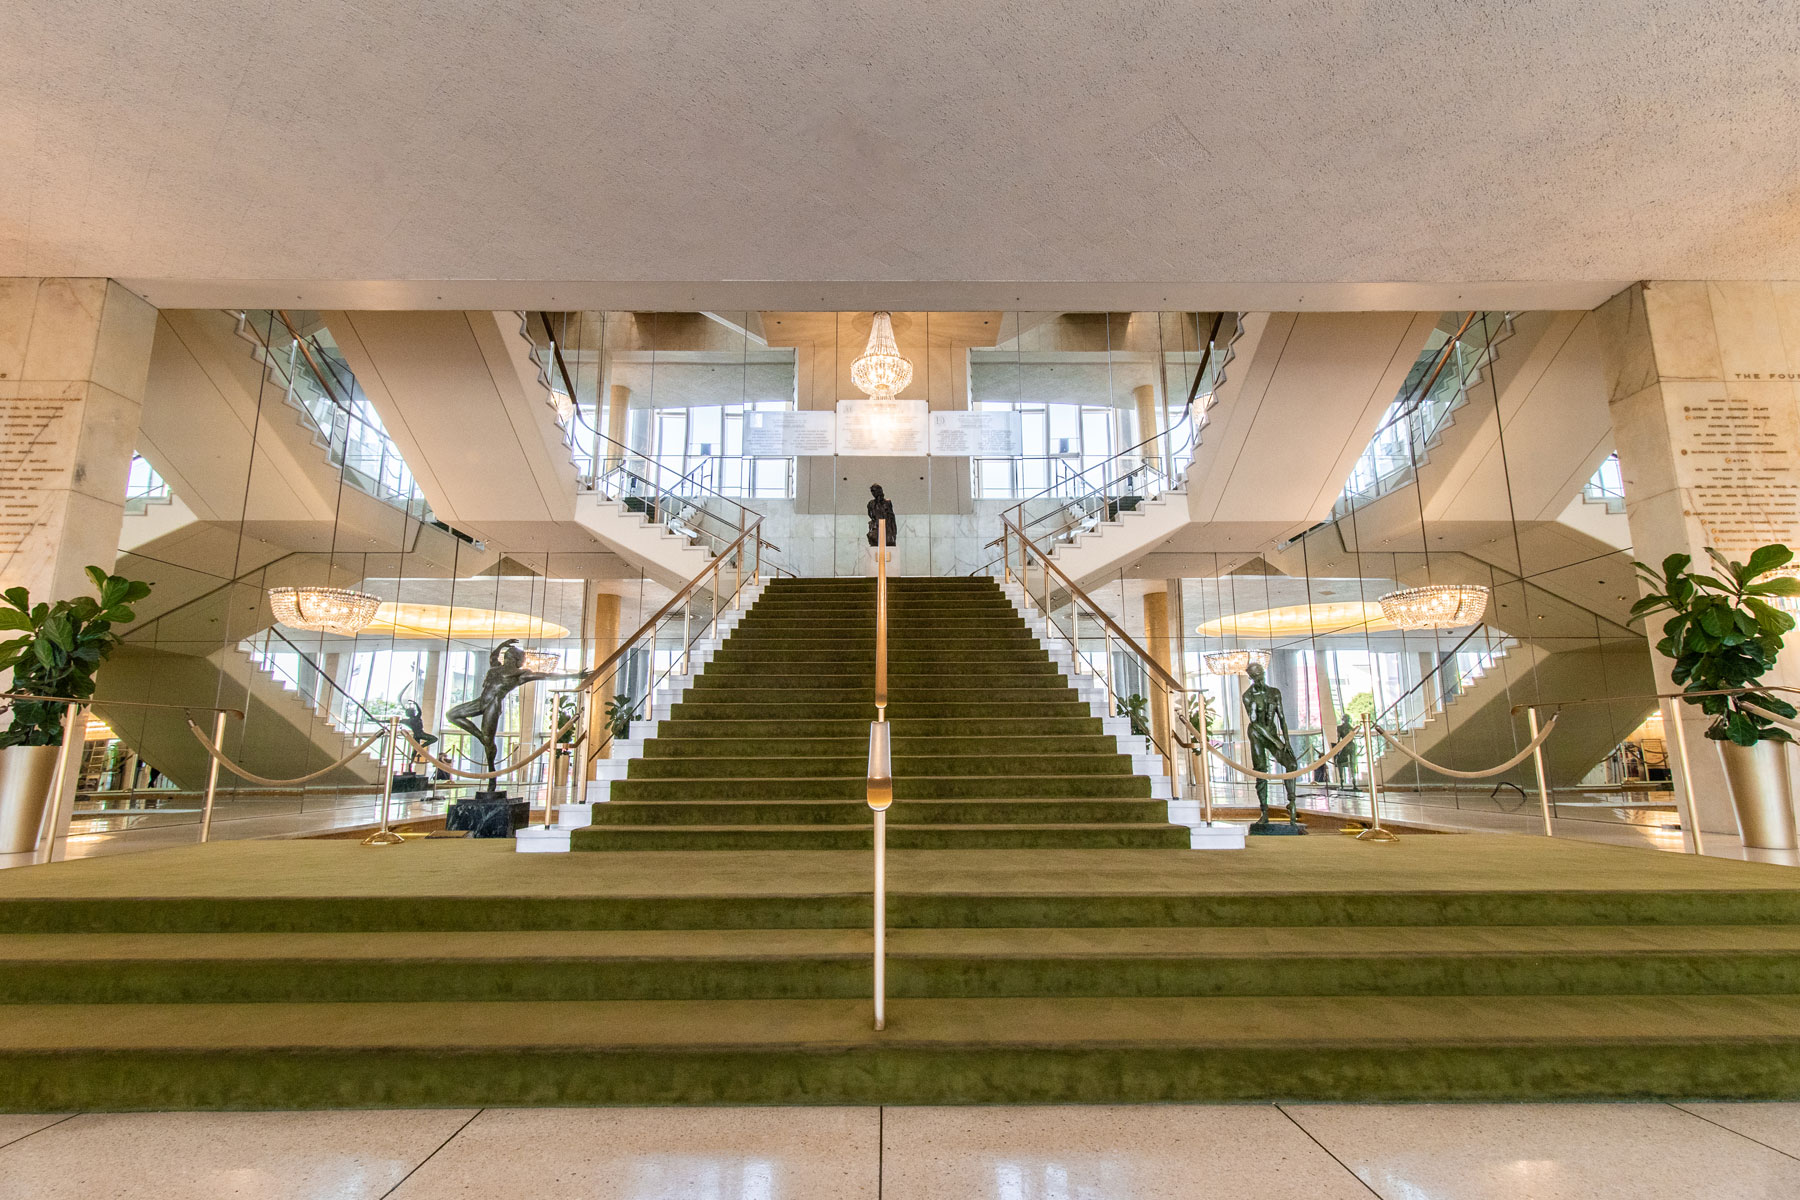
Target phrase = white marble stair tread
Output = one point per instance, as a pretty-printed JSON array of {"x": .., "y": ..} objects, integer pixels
[{"x": 536, "y": 839}]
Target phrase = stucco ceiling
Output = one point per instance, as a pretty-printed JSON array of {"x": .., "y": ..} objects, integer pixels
[{"x": 1042, "y": 154}]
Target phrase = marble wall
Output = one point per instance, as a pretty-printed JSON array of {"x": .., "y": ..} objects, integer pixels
[
  {"x": 935, "y": 544},
  {"x": 74, "y": 355},
  {"x": 1703, "y": 385}
]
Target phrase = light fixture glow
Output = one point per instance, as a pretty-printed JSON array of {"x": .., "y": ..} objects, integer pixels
[
  {"x": 1346, "y": 616},
  {"x": 1235, "y": 662},
  {"x": 323, "y": 609},
  {"x": 477, "y": 624},
  {"x": 542, "y": 662},
  {"x": 1436, "y": 606},
  {"x": 882, "y": 370}
]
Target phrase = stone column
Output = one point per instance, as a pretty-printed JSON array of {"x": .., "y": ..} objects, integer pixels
[
  {"x": 1148, "y": 424},
  {"x": 74, "y": 356},
  {"x": 1328, "y": 717},
  {"x": 1156, "y": 631},
  {"x": 1701, "y": 382},
  {"x": 603, "y": 630},
  {"x": 618, "y": 416},
  {"x": 431, "y": 691}
]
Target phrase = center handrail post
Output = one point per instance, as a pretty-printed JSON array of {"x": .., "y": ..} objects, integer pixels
[
  {"x": 1374, "y": 833},
  {"x": 880, "y": 779}
]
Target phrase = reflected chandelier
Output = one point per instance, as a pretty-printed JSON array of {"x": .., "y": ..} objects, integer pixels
[
  {"x": 542, "y": 662},
  {"x": 1436, "y": 606},
  {"x": 1235, "y": 662},
  {"x": 882, "y": 370},
  {"x": 323, "y": 609}
]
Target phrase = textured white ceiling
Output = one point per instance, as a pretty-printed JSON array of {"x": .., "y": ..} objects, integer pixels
[{"x": 1305, "y": 145}]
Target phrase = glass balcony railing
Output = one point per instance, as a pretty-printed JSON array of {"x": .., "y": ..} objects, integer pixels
[
  {"x": 143, "y": 486},
  {"x": 1607, "y": 486},
  {"x": 305, "y": 361},
  {"x": 1435, "y": 388}
]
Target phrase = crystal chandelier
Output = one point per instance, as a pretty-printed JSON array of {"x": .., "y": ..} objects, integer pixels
[
  {"x": 1436, "y": 606},
  {"x": 1235, "y": 662},
  {"x": 882, "y": 370},
  {"x": 542, "y": 662},
  {"x": 323, "y": 609}
]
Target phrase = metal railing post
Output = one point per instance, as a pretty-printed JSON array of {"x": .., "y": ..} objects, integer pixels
[
  {"x": 1374, "y": 833},
  {"x": 212, "y": 777},
  {"x": 687, "y": 618},
  {"x": 58, "y": 789},
  {"x": 385, "y": 836},
  {"x": 1537, "y": 762},
  {"x": 1690, "y": 819},
  {"x": 880, "y": 791}
]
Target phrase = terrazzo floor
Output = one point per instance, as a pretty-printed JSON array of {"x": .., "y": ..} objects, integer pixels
[{"x": 1254, "y": 1152}]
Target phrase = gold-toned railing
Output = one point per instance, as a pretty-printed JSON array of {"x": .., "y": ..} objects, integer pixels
[{"x": 881, "y": 779}]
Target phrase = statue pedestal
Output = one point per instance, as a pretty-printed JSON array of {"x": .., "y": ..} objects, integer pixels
[
  {"x": 488, "y": 815},
  {"x": 1276, "y": 829}
]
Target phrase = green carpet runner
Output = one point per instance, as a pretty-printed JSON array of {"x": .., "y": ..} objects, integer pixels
[{"x": 769, "y": 747}]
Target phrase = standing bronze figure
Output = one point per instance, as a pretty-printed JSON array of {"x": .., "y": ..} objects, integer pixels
[
  {"x": 1345, "y": 762},
  {"x": 506, "y": 672},
  {"x": 881, "y": 511},
  {"x": 1268, "y": 730}
]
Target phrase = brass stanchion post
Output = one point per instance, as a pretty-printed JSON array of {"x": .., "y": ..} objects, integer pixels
[
  {"x": 212, "y": 777},
  {"x": 58, "y": 789},
  {"x": 385, "y": 836},
  {"x": 1537, "y": 762},
  {"x": 1374, "y": 833}
]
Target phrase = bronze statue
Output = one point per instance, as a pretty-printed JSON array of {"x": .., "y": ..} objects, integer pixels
[
  {"x": 506, "y": 672},
  {"x": 1345, "y": 762},
  {"x": 1268, "y": 730},
  {"x": 415, "y": 724},
  {"x": 881, "y": 510}
]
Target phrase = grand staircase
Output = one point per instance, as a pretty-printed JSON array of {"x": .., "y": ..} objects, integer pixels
[{"x": 993, "y": 748}]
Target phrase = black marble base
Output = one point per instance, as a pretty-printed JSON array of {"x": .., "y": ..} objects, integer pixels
[
  {"x": 1276, "y": 829},
  {"x": 488, "y": 816},
  {"x": 411, "y": 781}
]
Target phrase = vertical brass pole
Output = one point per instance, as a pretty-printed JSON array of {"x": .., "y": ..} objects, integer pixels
[
  {"x": 737, "y": 566},
  {"x": 881, "y": 624},
  {"x": 48, "y": 852},
  {"x": 687, "y": 618},
  {"x": 212, "y": 777},
  {"x": 1374, "y": 833},
  {"x": 1075, "y": 637},
  {"x": 1537, "y": 761},
  {"x": 880, "y": 780},
  {"x": 385, "y": 836},
  {"x": 1203, "y": 776},
  {"x": 1690, "y": 819}
]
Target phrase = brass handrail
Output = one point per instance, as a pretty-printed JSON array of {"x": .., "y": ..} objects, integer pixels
[
  {"x": 600, "y": 674},
  {"x": 880, "y": 792}
]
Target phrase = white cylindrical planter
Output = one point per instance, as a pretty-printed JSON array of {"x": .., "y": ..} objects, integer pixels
[
  {"x": 1758, "y": 778},
  {"x": 27, "y": 774}
]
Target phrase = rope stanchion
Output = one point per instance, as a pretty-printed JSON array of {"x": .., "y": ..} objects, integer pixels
[
  {"x": 264, "y": 780},
  {"x": 1509, "y": 764},
  {"x": 1308, "y": 769},
  {"x": 435, "y": 761}
]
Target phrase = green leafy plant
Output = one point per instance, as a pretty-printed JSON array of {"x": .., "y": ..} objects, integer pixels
[
  {"x": 1138, "y": 709},
  {"x": 564, "y": 717},
  {"x": 1724, "y": 634},
  {"x": 621, "y": 711},
  {"x": 1360, "y": 705},
  {"x": 64, "y": 644},
  {"x": 1199, "y": 714}
]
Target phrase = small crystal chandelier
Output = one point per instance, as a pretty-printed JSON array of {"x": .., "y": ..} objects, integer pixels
[
  {"x": 542, "y": 662},
  {"x": 323, "y": 609},
  {"x": 1436, "y": 606},
  {"x": 1235, "y": 662},
  {"x": 882, "y": 370}
]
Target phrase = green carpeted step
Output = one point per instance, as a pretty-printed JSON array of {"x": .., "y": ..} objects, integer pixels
[
  {"x": 942, "y": 787},
  {"x": 856, "y": 812},
  {"x": 1080, "y": 836},
  {"x": 58, "y": 1058},
  {"x": 776, "y": 964},
  {"x": 852, "y": 747},
  {"x": 906, "y": 766}
]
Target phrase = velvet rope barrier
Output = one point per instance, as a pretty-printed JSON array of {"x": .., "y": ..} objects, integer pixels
[
  {"x": 220, "y": 758},
  {"x": 1308, "y": 769},
  {"x": 435, "y": 761},
  {"x": 1508, "y": 765}
]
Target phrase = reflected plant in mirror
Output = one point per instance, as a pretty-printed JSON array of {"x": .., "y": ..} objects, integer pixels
[
  {"x": 1724, "y": 633},
  {"x": 64, "y": 644},
  {"x": 1138, "y": 709}
]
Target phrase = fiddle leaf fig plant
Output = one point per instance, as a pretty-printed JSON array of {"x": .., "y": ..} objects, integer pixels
[
  {"x": 64, "y": 644},
  {"x": 1137, "y": 708},
  {"x": 621, "y": 711},
  {"x": 1724, "y": 633}
]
